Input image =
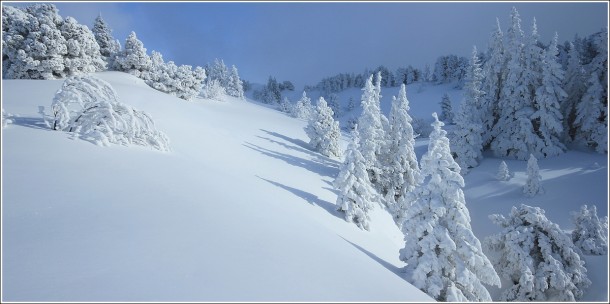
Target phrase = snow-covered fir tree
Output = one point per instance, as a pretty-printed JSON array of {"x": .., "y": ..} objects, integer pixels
[
  {"x": 286, "y": 106},
  {"x": 533, "y": 184},
  {"x": 549, "y": 95},
  {"x": 219, "y": 71},
  {"x": 467, "y": 142},
  {"x": 590, "y": 233},
  {"x": 446, "y": 110},
  {"x": 303, "y": 107},
  {"x": 574, "y": 84},
  {"x": 83, "y": 54},
  {"x": 492, "y": 84},
  {"x": 444, "y": 258},
  {"x": 212, "y": 89},
  {"x": 109, "y": 47},
  {"x": 133, "y": 58},
  {"x": 371, "y": 129},
  {"x": 401, "y": 172},
  {"x": 334, "y": 104},
  {"x": 89, "y": 107},
  {"x": 323, "y": 130},
  {"x": 514, "y": 132},
  {"x": 503, "y": 172},
  {"x": 536, "y": 258},
  {"x": 234, "y": 85},
  {"x": 356, "y": 195}
]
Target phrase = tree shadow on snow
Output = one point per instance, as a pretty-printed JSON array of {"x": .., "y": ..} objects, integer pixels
[
  {"x": 301, "y": 146},
  {"x": 308, "y": 197},
  {"x": 311, "y": 165},
  {"x": 29, "y": 122},
  {"x": 396, "y": 270}
]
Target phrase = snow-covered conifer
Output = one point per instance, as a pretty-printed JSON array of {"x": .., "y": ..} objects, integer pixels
[
  {"x": 89, "y": 107},
  {"x": 492, "y": 84},
  {"x": 356, "y": 195},
  {"x": 503, "y": 173},
  {"x": 591, "y": 233},
  {"x": 548, "y": 96},
  {"x": 109, "y": 47},
  {"x": 446, "y": 110},
  {"x": 444, "y": 258},
  {"x": 286, "y": 106},
  {"x": 371, "y": 129},
  {"x": 133, "y": 58},
  {"x": 333, "y": 103},
  {"x": 592, "y": 117},
  {"x": 234, "y": 85},
  {"x": 401, "y": 172},
  {"x": 467, "y": 141},
  {"x": 536, "y": 257},
  {"x": 83, "y": 54},
  {"x": 303, "y": 109},
  {"x": 514, "y": 133},
  {"x": 575, "y": 86},
  {"x": 532, "y": 184},
  {"x": 323, "y": 130}
]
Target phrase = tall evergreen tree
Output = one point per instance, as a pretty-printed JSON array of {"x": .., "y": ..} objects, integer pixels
[
  {"x": 493, "y": 82},
  {"x": 549, "y": 95},
  {"x": 401, "y": 174},
  {"x": 235, "y": 87},
  {"x": 467, "y": 142},
  {"x": 444, "y": 258},
  {"x": 514, "y": 131},
  {"x": 109, "y": 47},
  {"x": 574, "y": 84},
  {"x": 446, "y": 110},
  {"x": 371, "y": 129},
  {"x": 133, "y": 58}
]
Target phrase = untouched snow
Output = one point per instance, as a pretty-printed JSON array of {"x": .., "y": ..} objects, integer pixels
[{"x": 240, "y": 210}]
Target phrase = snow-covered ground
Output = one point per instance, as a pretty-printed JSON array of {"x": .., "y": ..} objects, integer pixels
[{"x": 239, "y": 210}]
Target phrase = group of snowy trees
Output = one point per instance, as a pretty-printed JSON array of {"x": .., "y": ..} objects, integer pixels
[
  {"x": 450, "y": 68},
  {"x": 522, "y": 102},
  {"x": 37, "y": 43},
  {"x": 222, "y": 80},
  {"x": 443, "y": 256},
  {"x": 272, "y": 92}
]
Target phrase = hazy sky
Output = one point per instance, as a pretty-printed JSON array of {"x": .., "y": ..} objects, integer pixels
[{"x": 304, "y": 42}]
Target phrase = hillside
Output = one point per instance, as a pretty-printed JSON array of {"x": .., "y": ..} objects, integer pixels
[{"x": 239, "y": 210}]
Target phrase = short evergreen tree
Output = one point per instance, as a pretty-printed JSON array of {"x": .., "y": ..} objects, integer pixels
[
  {"x": 444, "y": 258},
  {"x": 356, "y": 195},
  {"x": 536, "y": 257},
  {"x": 591, "y": 233},
  {"x": 83, "y": 54},
  {"x": 133, "y": 58},
  {"x": 234, "y": 86},
  {"x": 532, "y": 184},
  {"x": 285, "y": 106},
  {"x": 303, "y": 108},
  {"x": 323, "y": 130},
  {"x": 446, "y": 110},
  {"x": 503, "y": 173},
  {"x": 212, "y": 89},
  {"x": 333, "y": 103}
]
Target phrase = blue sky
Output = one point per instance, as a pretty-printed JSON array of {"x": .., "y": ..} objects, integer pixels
[{"x": 304, "y": 42}]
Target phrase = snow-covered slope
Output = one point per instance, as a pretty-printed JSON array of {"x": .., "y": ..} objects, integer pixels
[{"x": 239, "y": 210}]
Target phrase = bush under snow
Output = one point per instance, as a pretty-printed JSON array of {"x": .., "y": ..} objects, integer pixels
[
  {"x": 89, "y": 107},
  {"x": 538, "y": 260},
  {"x": 591, "y": 234}
]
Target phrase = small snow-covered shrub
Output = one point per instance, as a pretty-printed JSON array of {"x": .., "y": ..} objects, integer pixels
[
  {"x": 5, "y": 119},
  {"x": 536, "y": 257},
  {"x": 212, "y": 89},
  {"x": 89, "y": 107},
  {"x": 591, "y": 233},
  {"x": 503, "y": 173}
]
